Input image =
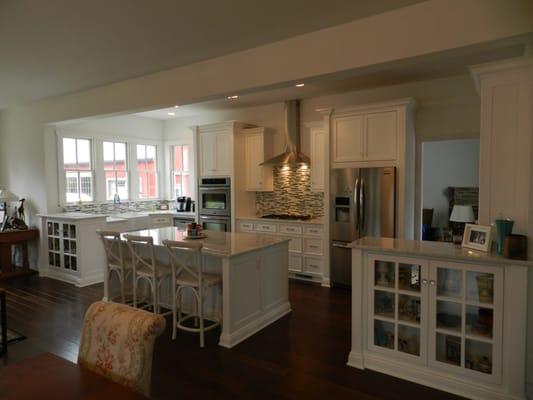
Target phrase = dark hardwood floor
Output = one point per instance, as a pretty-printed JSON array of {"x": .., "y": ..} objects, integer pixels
[{"x": 301, "y": 356}]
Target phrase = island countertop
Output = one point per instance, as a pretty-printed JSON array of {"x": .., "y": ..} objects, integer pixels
[
  {"x": 432, "y": 249},
  {"x": 224, "y": 244}
]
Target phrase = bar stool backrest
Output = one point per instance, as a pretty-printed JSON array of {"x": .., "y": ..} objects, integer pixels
[
  {"x": 113, "y": 248},
  {"x": 185, "y": 258},
  {"x": 142, "y": 251}
]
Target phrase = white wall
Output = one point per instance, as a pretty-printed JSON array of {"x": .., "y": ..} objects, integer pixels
[{"x": 447, "y": 163}]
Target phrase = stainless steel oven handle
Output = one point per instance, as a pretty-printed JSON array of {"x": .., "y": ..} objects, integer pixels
[{"x": 218, "y": 188}]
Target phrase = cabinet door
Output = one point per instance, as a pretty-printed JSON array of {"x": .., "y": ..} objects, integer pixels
[
  {"x": 381, "y": 136},
  {"x": 208, "y": 154},
  {"x": 254, "y": 155},
  {"x": 224, "y": 154},
  {"x": 397, "y": 308},
  {"x": 466, "y": 320},
  {"x": 318, "y": 159},
  {"x": 348, "y": 139}
]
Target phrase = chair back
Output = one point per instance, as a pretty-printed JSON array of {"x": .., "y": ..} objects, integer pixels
[
  {"x": 113, "y": 247},
  {"x": 142, "y": 251},
  {"x": 117, "y": 342},
  {"x": 185, "y": 258}
]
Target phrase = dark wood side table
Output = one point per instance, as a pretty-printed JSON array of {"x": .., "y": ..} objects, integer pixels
[
  {"x": 9, "y": 238},
  {"x": 3, "y": 322}
]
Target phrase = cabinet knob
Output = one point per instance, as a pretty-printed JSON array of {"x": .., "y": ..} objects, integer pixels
[
  {"x": 424, "y": 281},
  {"x": 432, "y": 283}
]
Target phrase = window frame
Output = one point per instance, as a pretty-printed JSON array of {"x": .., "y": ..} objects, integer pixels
[
  {"x": 139, "y": 172},
  {"x": 183, "y": 173},
  {"x": 126, "y": 166},
  {"x": 62, "y": 171}
]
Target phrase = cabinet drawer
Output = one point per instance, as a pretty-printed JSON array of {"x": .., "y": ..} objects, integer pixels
[
  {"x": 295, "y": 263},
  {"x": 161, "y": 220},
  {"x": 265, "y": 227},
  {"x": 246, "y": 226},
  {"x": 290, "y": 229},
  {"x": 313, "y": 246},
  {"x": 313, "y": 265},
  {"x": 313, "y": 230},
  {"x": 295, "y": 243}
]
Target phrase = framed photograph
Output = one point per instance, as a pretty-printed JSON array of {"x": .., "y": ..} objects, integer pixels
[{"x": 477, "y": 237}]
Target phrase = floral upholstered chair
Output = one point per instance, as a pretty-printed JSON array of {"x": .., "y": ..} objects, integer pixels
[{"x": 117, "y": 342}]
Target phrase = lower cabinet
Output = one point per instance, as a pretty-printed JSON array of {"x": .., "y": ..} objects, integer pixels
[
  {"x": 306, "y": 245},
  {"x": 443, "y": 315}
]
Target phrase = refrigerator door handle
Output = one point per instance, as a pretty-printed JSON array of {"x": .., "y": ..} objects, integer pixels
[
  {"x": 356, "y": 204},
  {"x": 362, "y": 206}
]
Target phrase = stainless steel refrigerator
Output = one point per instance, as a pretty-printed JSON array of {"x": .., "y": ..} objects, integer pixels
[{"x": 363, "y": 203}]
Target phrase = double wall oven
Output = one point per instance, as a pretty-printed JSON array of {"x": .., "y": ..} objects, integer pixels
[{"x": 215, "y": 204}]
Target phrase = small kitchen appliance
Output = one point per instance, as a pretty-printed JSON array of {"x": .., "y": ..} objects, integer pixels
[{"x": 183, "y": 204}]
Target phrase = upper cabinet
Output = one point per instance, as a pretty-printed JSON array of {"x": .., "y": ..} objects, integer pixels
[
  {"x": 215, "y": 148},
  {"x": 363, "y": 136},
  {"x": 258, "y": 148},
  {"x": 318, "y": 140}
]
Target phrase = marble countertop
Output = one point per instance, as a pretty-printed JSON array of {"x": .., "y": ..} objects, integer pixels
[
  {"x": 116, "y": 217},
  {"x": 433, "y": 249},
  {"x": 224, "y": 244},
  {"x": 72, "y": 215},
  {"x": 313, "y": 221}
]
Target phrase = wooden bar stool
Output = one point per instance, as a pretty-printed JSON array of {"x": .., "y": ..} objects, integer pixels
[
  {"x": 146, "y": 267},
  {"x": 187, "y": 272},
  {"x": 118, "y": 262}
]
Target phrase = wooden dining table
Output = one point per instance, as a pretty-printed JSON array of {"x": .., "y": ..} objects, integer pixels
[{"x": 48, "y": 376}]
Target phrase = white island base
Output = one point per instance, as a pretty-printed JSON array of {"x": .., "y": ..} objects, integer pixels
[{"x": 255, "y": 282}]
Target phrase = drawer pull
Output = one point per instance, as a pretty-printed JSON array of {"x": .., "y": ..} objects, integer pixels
[{"x": 313, "y": 247}]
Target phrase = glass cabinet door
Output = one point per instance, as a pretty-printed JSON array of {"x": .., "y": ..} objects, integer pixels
[
  {"x": 465, "y": 320},
  {"x": 62, "y": 245},
  {"x": 397, "y": 309}
]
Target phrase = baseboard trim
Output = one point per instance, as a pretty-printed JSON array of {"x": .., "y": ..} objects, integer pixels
[
  {"x": 436, "y": 379},
  {"x": 232, "y": 339},
  {"x": 356, "y": 360}
]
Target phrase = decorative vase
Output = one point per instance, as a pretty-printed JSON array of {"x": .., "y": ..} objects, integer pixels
[{"x": 504, "y": 227}]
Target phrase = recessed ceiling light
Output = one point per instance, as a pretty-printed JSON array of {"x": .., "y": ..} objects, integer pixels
[
  {"x": 233, "y": 97},
  {"x": 300, "y": 85},
  {"x": 171, "y": 113},
  {"x": 176, "y": 106}
]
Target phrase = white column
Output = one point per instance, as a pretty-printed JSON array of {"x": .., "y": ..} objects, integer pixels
[{"x": 506, "y": 159}]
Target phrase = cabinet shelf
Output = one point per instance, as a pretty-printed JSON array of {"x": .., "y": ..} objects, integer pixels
[
  {"x": 383, "y": 318},
  {"x": 479, "y": 338}
]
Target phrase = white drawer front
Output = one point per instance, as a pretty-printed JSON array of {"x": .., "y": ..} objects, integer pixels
[
  {"x": 246, "y": 226},
  {"x": 313, "y": 246},
  {"x": 313, "y": 230},
  {"x": 295, "y": 263},
  {"x": 265, "y": 227},
  {"x": 295, "y": 244},
  {"x": 290, "y": 229},
  {"x": 161, "y": 220},
  {"x": 313, "y": 265}
]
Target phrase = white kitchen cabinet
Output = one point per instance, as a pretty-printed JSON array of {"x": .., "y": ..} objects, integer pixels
[
  {"x": 160, "y": 221},
  {"x": 258, "y": 148},
  {"x": 216, "y": 152},
  {"x": 439, "y": 316},
  {"x": 71, "y": 249},
  {"x": 307, "y": 260},
  {"x": 348, "y": 138},
  {"x": 381, "y": 136},
  {"x": 318, "y": 158},
  {"x": 365, "y": 137}
]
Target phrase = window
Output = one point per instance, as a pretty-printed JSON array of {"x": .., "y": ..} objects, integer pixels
[
  {"x": 115, "y": 171},
  {"x": 181, "y": 185},
  {"x": 77, "y": 163},
  {"x": 147, "y": 171}
]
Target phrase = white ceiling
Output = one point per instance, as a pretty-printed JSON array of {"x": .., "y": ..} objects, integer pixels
[
  {"x": 53, "y": 47},
  {"x": 430, "y": 67}
]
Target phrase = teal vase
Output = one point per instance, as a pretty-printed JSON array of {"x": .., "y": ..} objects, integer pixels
[{"x": 504, "y": 227}]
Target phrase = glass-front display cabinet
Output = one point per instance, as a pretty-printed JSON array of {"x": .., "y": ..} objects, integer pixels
[
  {"x": 466, "y": 319},
  {"x": 398, "y": 306}
]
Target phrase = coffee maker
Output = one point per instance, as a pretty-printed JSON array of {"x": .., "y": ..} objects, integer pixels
[{"x": 183, "y": 204}]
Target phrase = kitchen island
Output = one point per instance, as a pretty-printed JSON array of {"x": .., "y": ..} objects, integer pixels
[{"x": 254, "y": 271}]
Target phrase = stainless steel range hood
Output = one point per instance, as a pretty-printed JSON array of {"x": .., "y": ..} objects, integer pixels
[{"x": 292, "y": 154}]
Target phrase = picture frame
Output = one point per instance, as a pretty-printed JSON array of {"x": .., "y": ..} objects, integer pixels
[{"x": 477, "y": 237}]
